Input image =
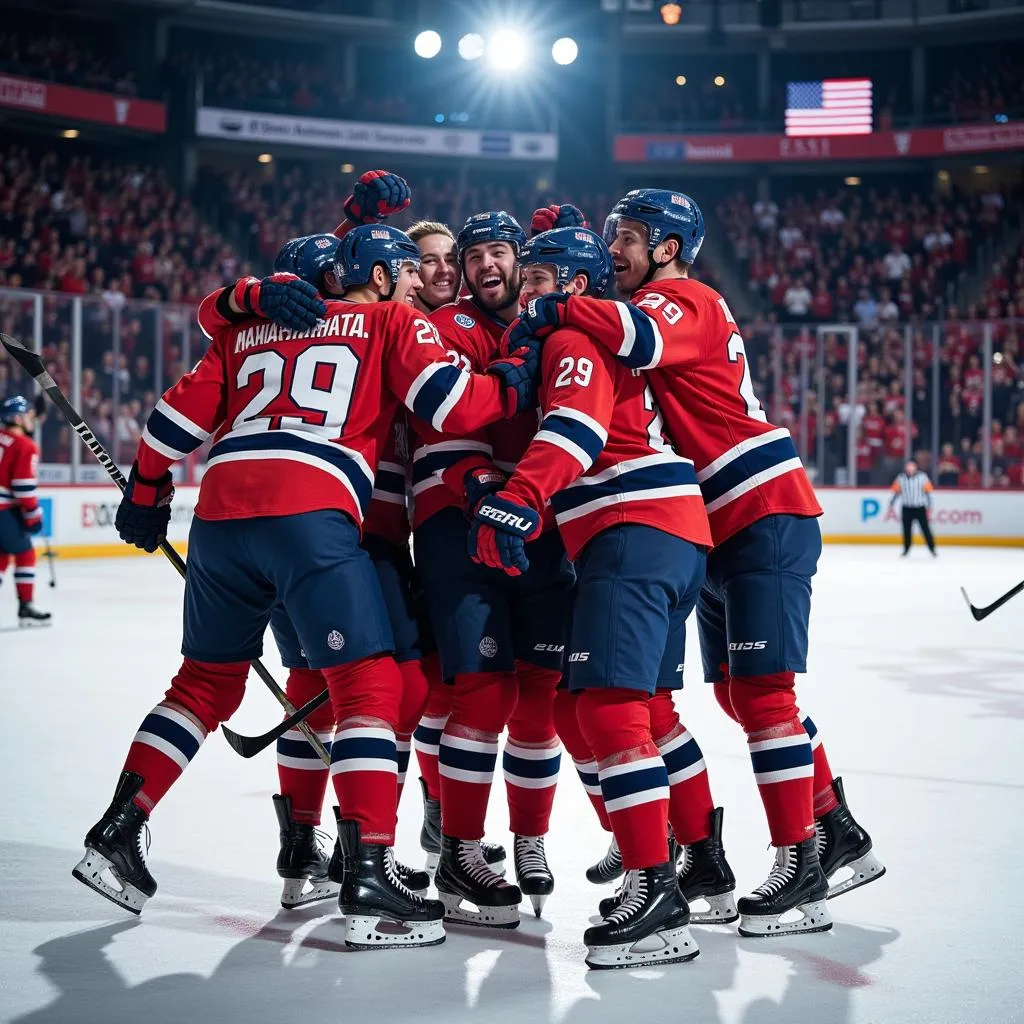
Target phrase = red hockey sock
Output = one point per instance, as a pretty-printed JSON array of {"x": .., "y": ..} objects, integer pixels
[
  {"x": 302, "y": 775},
  {"x": 5, "y": 560},
  {"x": 415, "y": 689},
  {"x": 825, "y": 799},
  {"x": 481, "y": 707},
  {"x": 723, "y": 698},
  {"x": 201, "y": 696},
  {"x": 25, "y": 574},
  {"x": 364, "y": 764},
  {"x": 427, "y": 735},
  {"x": 780, "y": 753},
  {"x": 689, "y": 790},
  {"x": 532, "y": 753},
  {"x": 583, "y": 760},
  {"x": 616, "y": 724}
]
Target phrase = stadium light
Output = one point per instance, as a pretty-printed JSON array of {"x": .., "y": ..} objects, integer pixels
[
  {"x": 472, "y": 46},
  {"x": 427, "y": 44},
  {"x": 70, "y": 133},
  {"x": 264, "y": 158},
  {"x": 671, "y": 13},
  {"x": 680, "y": 79},
  {"x": 719, "y": 80},
  {"x": 564, "y": 51},
  {"x": 506, "y": 50},
  {"x": 347, "y": 168}
]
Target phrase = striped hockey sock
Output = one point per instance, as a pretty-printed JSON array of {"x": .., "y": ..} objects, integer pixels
[
  {"x": 824, "y": 796},
  {"x": 531, "y": 773},
  {"x": 364, "y": 770},
  {"x": 784, "y": 771},
  {"x": 25, "y": 574},
  {"x": 427, "y": 736},
  {"x": 302, "y": 776}
]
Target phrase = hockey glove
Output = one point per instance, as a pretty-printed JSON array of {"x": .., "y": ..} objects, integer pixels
[
  {"x": 549, "y": 217},
  {"x": 377, "y": 196},
  {"x": 283, "y": 298},
  {"x": 519, "y": 372},
  {"x": 479, "y": 483},
  {"x": 32, "y": 522},
  {"x": 501, "y": 527},
  {"x": 539, "y": 318},
  {"x": 145, "y": 510}
]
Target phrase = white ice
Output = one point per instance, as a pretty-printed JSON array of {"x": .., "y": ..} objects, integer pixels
[{"x": 921, "y": 709}]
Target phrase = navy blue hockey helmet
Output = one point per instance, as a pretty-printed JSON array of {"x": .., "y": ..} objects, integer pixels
[
  {"x": 10, "y": 408},
  {"x": 493, "y": 226},
  {"x": 308, "y": 257},
  {"x": 364, "y": 247},
  {"x": 664, "y": 213},
  {"x": 571, "y": 251}
]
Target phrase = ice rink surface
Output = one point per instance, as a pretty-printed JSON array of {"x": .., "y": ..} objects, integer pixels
[{"x": 920, "y": 707}]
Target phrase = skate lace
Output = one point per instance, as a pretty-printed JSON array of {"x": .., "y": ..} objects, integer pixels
[
  {"x": 781, "y": 874},
  {"x": 634, "y": 894},
  {"x": 471, "y": 860},
  {"x": 143, "y": 854},
  {"x": 612, "y": 859},
  {"x": 530, "y": 857},
  {"x": 393, "y": 876},
  {"x": 820, "y": 839}
]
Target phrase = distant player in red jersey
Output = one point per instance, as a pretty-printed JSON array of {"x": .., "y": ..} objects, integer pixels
[
  {"x": 299, "y": 419},
  {"x": 20, "y": 514},
  {"x": 754, "y": 608},
  {"x": 629, "y": 509}
]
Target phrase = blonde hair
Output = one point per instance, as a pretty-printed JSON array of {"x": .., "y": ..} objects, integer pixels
[{"x": 422, "y": 228}]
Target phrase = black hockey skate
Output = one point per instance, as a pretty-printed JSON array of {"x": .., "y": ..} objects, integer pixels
[
  {"x": 705, "y": 875},
  {"x": 532, "y": 871},
  {"x": 415, "y": 880},
  {"x": 463, "y": 876},
  {"x": 650, "y": 926},
  {"x": 430, "y": 837},
  {"x": 609, "y": 903},
  {"x": 371, "y": 893},
  {"x": 842, "y": 843},
  {"x": 114, "y": 864},
  {"x": 796, "y": 884},
  {"x": 29, "y": 615},
  {"x": 608, "y": 868},
  {"x": 301, "y": 860}
]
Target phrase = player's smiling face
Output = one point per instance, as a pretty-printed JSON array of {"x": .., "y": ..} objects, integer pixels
[
  {"x": 629, "y": 255},
  {"x": 439, "y": 270},
  {"x": 538, "y": 279},
  {"x": 408, "y": 285},
  {"x": 492, "y": 275}
]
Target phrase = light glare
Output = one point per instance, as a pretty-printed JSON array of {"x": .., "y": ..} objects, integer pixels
[
  {"x": 506, "y": 50},
  {"x": 427, "y": 44},
  {"x": 472, "y": 46},
  {"x": 564, "y": 51}
]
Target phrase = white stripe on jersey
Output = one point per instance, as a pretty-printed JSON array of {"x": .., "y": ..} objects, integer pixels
[
  {"x": 390, "y": 467},
  {"x": 451, "y": 446},
  {"x": 751, "y": 482},
  {"x": 736, "y": 451},
  {"x": 621, "y": 497},
  {"x": 567, "y": 446},
  {"x": 628, "y": 330},
  {"x": 654, "y": 459},
  {"x": 256, "y": 427},
  {"x": 580, "y": 417},
  {"x": 181, "y": 420},
  {"x": 450, "y": 402}
]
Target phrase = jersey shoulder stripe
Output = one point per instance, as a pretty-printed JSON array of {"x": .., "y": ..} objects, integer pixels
[
  {"x": 642, "y": 344},
  {"x": 575, "y": 433},
  {"x": 435, "y": 392},
  {"x": 172, "y": 433}
]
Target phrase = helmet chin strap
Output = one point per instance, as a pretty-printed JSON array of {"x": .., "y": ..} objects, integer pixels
[{"x": 652, "y": 268}]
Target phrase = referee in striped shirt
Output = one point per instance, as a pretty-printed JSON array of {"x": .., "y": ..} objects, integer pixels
[{"x": 914, "y": 491}]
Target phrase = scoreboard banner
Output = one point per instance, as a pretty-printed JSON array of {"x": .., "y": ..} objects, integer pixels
[
  {"x": 321, "y": 133},
  {"x": 886, "y": 145}
]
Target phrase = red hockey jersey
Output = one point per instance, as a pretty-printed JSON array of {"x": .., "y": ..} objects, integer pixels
[
  {"x": 600, "y": 457},
  {"x": 388, "y": 514},
  {"x": 300, "y": 418},
  {"x": 19, "y": 459},
  {"x": 683, "y": 333}
]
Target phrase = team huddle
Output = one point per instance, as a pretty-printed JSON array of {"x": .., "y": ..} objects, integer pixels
[{"x": 576, "y": 474}]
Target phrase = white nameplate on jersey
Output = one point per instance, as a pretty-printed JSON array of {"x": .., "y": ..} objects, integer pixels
[{"x": 344, "y": 325}]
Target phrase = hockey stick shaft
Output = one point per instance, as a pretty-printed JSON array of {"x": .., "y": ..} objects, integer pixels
[
  {"x": 981, "y": 613},
  {"x": 249, "y": 746},
  {"x": 33, "y": 366},
  {"x": 50, "y": 556}
]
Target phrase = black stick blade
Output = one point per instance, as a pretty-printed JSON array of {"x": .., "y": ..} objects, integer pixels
[
  {"x": 973, "y": 610},
  {"x": 26, "y": 358},
  {"x": 250, "y": 746}
]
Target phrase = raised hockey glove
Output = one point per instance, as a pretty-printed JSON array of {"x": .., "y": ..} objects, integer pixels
[
  {"x": 377, "y": 195},
  {"x": 539, "y": 317},
  {"x": 283, "y": 298},
  {"x": 549, "y": 217},
  {"x": 145, "y": 510},
  {"x": 501, "y": 527},
  {"x": 479, "y": 483},
  {"x": 519, "y": 371}
]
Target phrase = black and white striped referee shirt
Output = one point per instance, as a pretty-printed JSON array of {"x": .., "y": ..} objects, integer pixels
[{"x": 914, "y": 491}]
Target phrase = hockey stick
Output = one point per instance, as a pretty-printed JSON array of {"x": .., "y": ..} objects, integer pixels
[
  {"x": 249, "y": 746},
  {"x": 981, "y": 613},
  {"x": 33, "y": 366},
  {"x": 50, "y": 556}
]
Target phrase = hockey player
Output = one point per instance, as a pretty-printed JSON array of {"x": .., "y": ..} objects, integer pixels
[
  {"x": 629, "y": 510},
  {"x": 20, "y": 515},
  {"x": 439, "y": 265},
  {"x": 298, "y": 420},
  {"x": 754, "y": 608},
  {"x": 501, "y": 641}
]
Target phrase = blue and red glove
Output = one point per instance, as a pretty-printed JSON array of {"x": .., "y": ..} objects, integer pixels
[
  {"x": 283, "y": 298},
  {"x": 549, "y": 217},
  {"x": 501, "y": 527},
  {"x": 377, "y": 195},
  {"x": 145, "y": 510},
  {"x": 32, "y": 522},
  {"x": 479, "y": 483},
  {"x": 519, "y": 371},
  {"x": 537, "y": 320}
]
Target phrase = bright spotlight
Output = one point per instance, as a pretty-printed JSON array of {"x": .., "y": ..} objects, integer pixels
[
  {"x": 564, "y": 50},
  {"x": 472, "y": 46},
  {"x": 719, "y": 80},
  {"x": 506, "y": 50},
  {"x": 427, "y": 44}
]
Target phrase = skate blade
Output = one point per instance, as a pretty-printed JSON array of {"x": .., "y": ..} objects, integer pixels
[
  {"x": 295, "y": 894},
  {"x": 863, "y": 870},
  {"x": 672, "y": 946},
  {"x": 367, "y": 932},
  {"x": 538, "y": 899},
  {"x": 814, "y": 917},
  {"x": 95, "y": 871},
  {"x": 34, "y": 623},
  {"x": 479, "y": 917},
  {"x": 720, "y": 909},
  {"x": 432, "y": 859}
]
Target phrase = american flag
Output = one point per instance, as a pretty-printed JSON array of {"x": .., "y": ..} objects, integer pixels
[{"x": 835, "y": 106}]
